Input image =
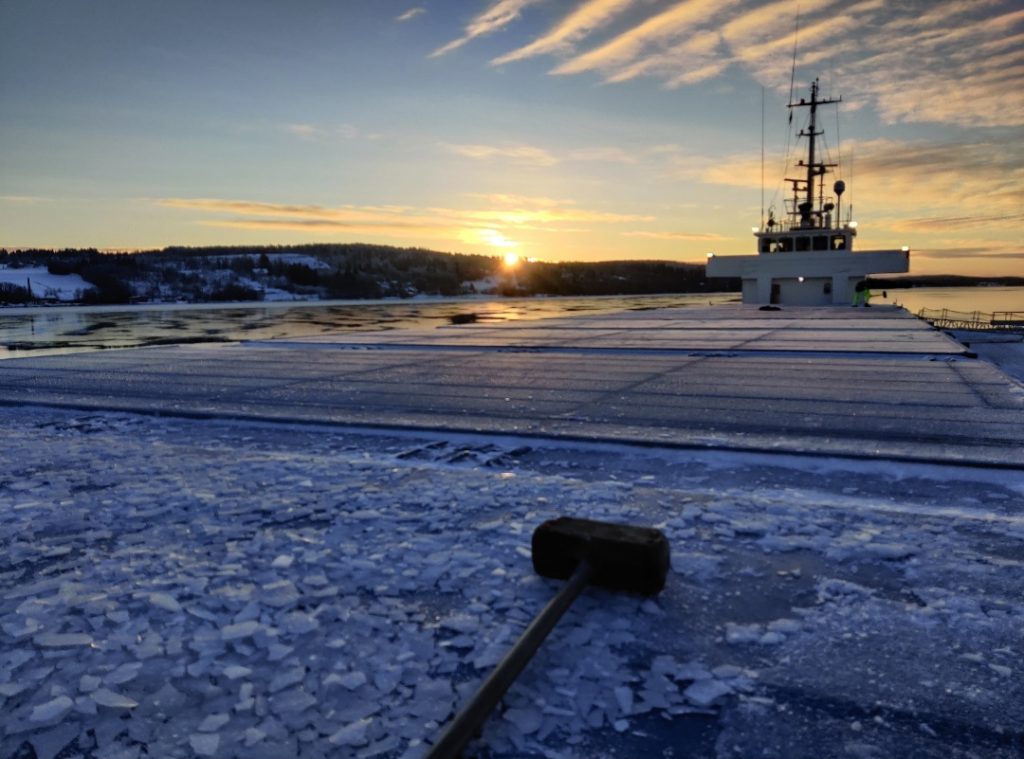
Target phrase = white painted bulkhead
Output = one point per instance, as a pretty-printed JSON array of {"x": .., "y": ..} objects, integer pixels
[{"x": 806, "y": 279}]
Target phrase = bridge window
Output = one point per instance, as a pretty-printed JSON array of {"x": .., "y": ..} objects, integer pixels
[
  {"x": 821, "y": 242},
  {"x": 838, "y": 242},
  {"x": 803, "y": 243},
  {"x": 766, "y": 245}
]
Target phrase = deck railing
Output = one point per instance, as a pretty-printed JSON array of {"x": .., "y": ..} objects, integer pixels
[{"x": 944, "y": 318}]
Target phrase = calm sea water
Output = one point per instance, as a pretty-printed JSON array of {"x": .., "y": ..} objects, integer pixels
[
  {"x": 39, "y": 331},
  {"x": 984, "y": 299}
]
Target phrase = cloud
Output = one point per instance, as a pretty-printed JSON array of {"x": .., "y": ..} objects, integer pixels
[
  {"x": 709, "y": 236},
  {"x": 410, "y": 14},
  {"x": 520, "y": 153},
  {"x": 256, "y": 208},
  {"x": 957, "y": 223},
  {"x": 525, "y": 201},
  {"x": 327, "y": 225},
  {"x": 969, "y": 252},
  {"x": 318, "y": 132},
  {"x": 607, "y": 154},
  {"x": 488, "y": 223},
  {"x": 491, "y": 20},
  {"x": 590, "y": 16},
  {"x": 490, "y": 237},
  {"x": 948, "y": 61},
  {"x": 536, "y": 156},
  {"x": 26, "y": 200},
  {"x": 970, "y": 178},
  {"x": 541, "y": 216},
  {"x": 670, "y": 24}
]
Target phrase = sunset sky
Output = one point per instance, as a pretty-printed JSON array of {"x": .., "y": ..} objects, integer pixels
[{"x": 554, "y": 129}]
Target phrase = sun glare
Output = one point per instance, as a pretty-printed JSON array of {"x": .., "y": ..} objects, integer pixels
[{"x": 511, "y": 260}]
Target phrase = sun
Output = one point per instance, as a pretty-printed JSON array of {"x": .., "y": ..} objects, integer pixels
[{"x": 511, "y": 260}]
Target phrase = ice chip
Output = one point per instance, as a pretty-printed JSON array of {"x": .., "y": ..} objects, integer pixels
[
  {"x": 204, "y": 744},
  {"x": 62, "y": 640},
  {"x": 213, "y": 722},
  {"x": 165, "y": 602},
  {"x": 353, "y": 734},
  {"x": 51, "y": 710},
  {"x": 113, "y": 700},
  {"x": 706, "y": 692},
  {"x": 624, "y": 697},
  {"x": 352, "y": 680},
  {"x": 240, "y": 630},
  {"x": 528, "y": 719}
]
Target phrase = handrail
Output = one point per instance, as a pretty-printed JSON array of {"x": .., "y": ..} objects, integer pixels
[{"x": 946, "y": 318}]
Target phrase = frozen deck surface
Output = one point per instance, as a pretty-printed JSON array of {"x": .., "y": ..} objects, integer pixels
[
  {"x": 224, "y": 587},
  {"x": 833, "y": 381}
]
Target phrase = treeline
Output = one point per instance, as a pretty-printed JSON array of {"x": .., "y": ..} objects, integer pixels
[
  {"x": 613, "y": 278},
  {"x": 221, "y": 273}
]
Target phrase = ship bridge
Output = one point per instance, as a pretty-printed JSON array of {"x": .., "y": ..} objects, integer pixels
[{"x": 808, "y": 259}]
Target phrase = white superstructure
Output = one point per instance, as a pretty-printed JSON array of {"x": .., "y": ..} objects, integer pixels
[{"x": 808, "y": 259}]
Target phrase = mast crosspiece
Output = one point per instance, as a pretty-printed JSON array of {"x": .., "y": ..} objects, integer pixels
[{"x": 806, "y": 210}]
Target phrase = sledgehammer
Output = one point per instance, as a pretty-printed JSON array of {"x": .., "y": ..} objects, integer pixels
[{"x": 614, "y": 556}]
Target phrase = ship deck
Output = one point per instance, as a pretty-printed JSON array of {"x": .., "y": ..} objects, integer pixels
[
  {"x": 834, "y": 381},
  {"x": 320, "y": 547}
]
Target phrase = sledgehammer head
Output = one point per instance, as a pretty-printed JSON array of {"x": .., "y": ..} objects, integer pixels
[{"x": 623, "y": 557}]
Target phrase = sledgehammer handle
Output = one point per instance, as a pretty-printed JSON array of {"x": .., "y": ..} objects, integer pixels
[{"x": 466, "y": 724}]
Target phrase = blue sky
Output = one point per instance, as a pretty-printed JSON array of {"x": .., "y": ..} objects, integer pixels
[{"x": 556, "y": 129}]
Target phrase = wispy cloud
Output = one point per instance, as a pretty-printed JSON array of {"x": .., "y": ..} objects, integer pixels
[
  {"x": 670, "y": 24},
  {"x": 499, "y": 15},
  {"x": 957, "y": 223},
  {"x": 527, "y": 154},
  {"x": 410, "y": 14},
  {"x": 320, "y": 132},
  {"x": 490, "y": 221},
  {"x": 677, "y": 235},
  {"x": 590, "y": 16},
  {"x": 536, "y": 156},
  {"x": 26, "y": 200},
  {"x": 949, "y": 61},
  {"x": 396, "y": 228},
  {"x": 981, "y": 251}
]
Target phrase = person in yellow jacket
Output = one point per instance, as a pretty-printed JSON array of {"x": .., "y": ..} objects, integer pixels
[{"x": 861, "y": 294}]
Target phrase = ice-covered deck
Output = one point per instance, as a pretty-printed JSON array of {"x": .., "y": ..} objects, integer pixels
[
  {"x": 838, "y": 381},
  {"x": 193, "y": 587}
]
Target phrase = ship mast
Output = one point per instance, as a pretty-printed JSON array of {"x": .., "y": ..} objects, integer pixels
[{"x": 815, "y": 168}]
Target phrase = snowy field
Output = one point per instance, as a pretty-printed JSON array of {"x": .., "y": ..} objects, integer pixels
[
  {"x": 174, "y": 588},
  {"x": 65, "y": 287}
]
